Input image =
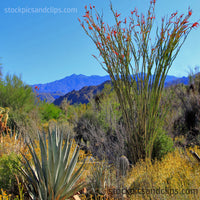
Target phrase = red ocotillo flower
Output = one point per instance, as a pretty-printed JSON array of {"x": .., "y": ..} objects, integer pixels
[
  {"x": 36, "y": 87},
  {"x": 115, "y": 32},
  {"x": 195, "y": 24},
  {"x": 118, "y": 23},
  {"x": 174, "y": 14},
  {"x": 108, "y": 37},
  {"x": 115, "y": 53},
  {"x": 151, "y": 17},
  {"x": 99, "y": 44},
  {"x": 86, "y": 15},
  {"x": 117, "y": 15},
  {"x": 190, "y": 13},
  {"x": 185, "y": 21},
  {"x": 125, "y": 21}
]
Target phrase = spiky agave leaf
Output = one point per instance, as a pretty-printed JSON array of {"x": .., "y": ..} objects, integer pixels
[{"x": 53, "y": 176}]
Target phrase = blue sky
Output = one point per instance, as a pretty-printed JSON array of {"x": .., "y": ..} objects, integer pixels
[{"x": 43, "y": 47}]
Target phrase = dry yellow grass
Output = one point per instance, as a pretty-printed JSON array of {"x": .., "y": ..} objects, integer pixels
[{"x": 175, "y": 177}]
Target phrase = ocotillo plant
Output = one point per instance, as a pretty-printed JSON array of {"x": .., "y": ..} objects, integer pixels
[{"x": 138, "y": 66}]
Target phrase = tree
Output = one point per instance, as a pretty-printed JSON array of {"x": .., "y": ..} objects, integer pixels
[
  {"x": 19, "y": 97},
  {"x": 138, "y": 66}
]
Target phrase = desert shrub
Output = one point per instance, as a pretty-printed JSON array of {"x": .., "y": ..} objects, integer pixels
[
  {"x": 16, "y": 94},
  {"x": 9, "y": 165},
  {"x": 20, "y": 98},
  {"x": 163, "y": 145},
  {"x": 109, "y": 145},
  {"x": 101, "y": 177},
  {"x": 12, "y": 144},
  {"x": 187, "y": 122},
  {"x": 50, "y": 111},
  {"x": 108, "y": 111}
]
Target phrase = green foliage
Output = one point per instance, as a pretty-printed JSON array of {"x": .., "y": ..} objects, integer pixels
[
  {"x": 9, "y": 165},
  {"x": 54, "y": 176},
  {"x": 163, "y": 144},
  {"x": 109, "y": 113},
  {"x": 15, "y": 94},
  {"x": 50, "y": 111},
  {"x": 19, "y": 97}
]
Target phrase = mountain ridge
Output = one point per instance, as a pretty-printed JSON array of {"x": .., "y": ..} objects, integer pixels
[
  {"x": 54, "y": 90},
  {"x": 69, "y": 83}
]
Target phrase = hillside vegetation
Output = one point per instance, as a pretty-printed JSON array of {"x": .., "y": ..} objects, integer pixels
[{"x": 99, "y": 129}]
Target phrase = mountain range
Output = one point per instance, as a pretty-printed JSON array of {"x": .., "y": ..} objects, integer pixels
[
  {"x": 80, "y": 88},
  {"x": 69, "y": 83}
]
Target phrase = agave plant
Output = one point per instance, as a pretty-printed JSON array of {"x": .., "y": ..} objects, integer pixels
[{"x": 53, "y": 177}]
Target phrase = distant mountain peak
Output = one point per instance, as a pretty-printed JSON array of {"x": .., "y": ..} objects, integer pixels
[{"x": 76, "y": 82}]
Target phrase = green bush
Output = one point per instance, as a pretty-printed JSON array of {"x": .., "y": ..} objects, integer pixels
[
  {"x": 20, "y": 98},
  {"x": 109, "y": 113},
  {"x": 9, "y": 165},
  {"x": 163, "y": 144},
  {"x": 16, "y": 94},
  {"x": 50, "y": 111}
]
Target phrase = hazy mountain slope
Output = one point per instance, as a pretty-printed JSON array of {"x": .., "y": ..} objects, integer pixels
[
  {"x": 88, "y": 86},
  {"x": 88, "y": 92},
  {"x": 69, "y": 83},
  {"x": 81, "y": 96}
]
